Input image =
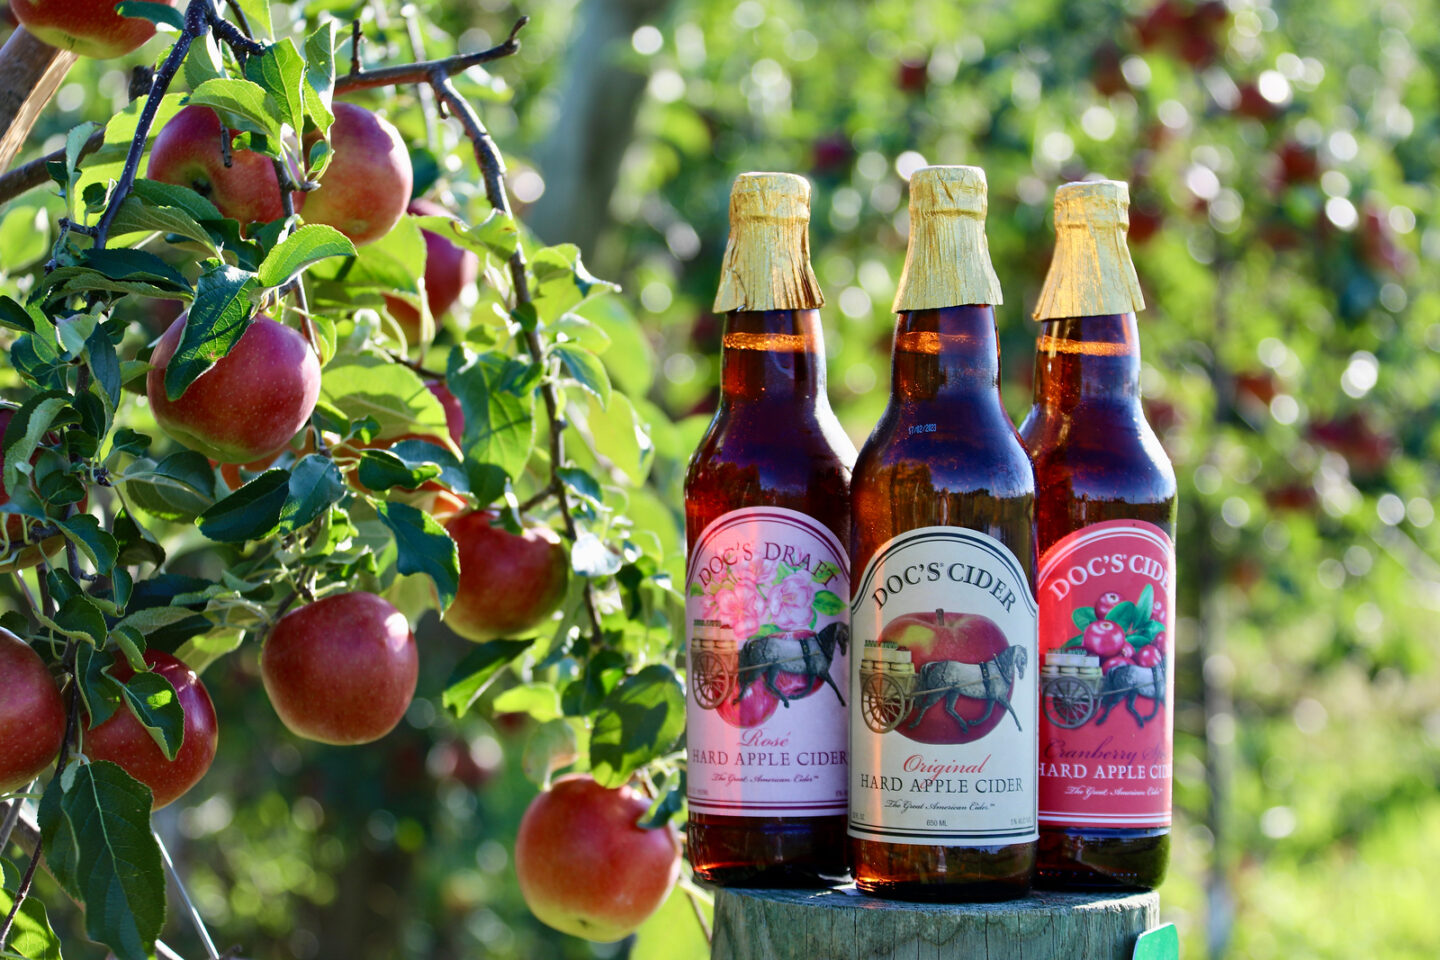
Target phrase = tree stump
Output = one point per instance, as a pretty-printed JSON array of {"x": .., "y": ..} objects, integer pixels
[{"x": 846, "y": 925}]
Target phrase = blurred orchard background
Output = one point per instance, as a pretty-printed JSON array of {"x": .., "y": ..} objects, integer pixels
[{"x": 1282, "y": 157}]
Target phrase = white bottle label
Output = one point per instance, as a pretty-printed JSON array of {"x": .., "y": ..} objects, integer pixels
[
  {"x": 943, "y": 686},
  {"x": 768, "y": 637}
]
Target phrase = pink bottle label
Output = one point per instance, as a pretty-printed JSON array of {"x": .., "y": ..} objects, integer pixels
[
  {"x": 767, "y": 660},
  {"x": 1107, "y": 679}
]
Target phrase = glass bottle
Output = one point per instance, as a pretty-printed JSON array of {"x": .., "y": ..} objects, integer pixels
[
  {"x": 1106, "y": 587},
  {"x": 943, "y": 739},
  {"x": 767, "y": 511}
]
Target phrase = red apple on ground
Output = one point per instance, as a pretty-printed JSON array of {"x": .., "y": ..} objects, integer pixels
[
  {"x": 32, "y": 714},
  {"x": 449, "y": 269},
  {"x": 341, "y": 670},
  {"x": 585, "y": 867},
  {"x": 249, "y": 404},
  {"x": 942, "y": 635},
  {"x": 123, "y": 740},
  {"x": 364, "y": 191},
  {"x": 508, "y": 583},
  {"x": 91, "y": 28},
  {"x": 187, "y": 153}
]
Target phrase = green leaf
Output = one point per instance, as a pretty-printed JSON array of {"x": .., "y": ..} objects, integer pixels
[
  {"x": 320, "y": 76},
  {"x": 1073, "y": 642},
  {"x": 589, "y": 557},
  {"x": 257, "y": 14},
  {"x": 178, "y": 488},
  {"x": 161, "y": 13},
  {"x": 551, "y": 746},
  {"x": 80, "y": 616},
  {"x": 97, "y": 544},
  {"x": 829, "y": 604},
  {"x": 669, "y": 803},
  {"x": 587, "y": 370},
  {"x": 561, "y": 281},
  {"x": 24, "y": 237},
  {"x": 310, "y": 244},
  {"x": 424, "y": 547},
  {"x": 117, "y": 875},
  {"x": 381, "y": 469},
  {"x": 98, "y": 689},
  {"x": 199, "y": 652},
  {"x": 1083, "y": 616},
  {"x": 616, "y": 433},
  {"x": 250, "y": 513},
  {"x": 157, "y": 194},
  {"x": 280, "y": 72},
  {"x": 473, "y": 674},
  {"x": 31, "y": 936},
  {"x": 27, "y": 428},
  {"x": 1123, "y": 613},
  {"x": 499, "y": 404},
  {"x": 153, "y": 701},
  {"x": 135, "y": 216},
  {"x": 243, "y": 104},
  {"x": 315, "y": 485},
  {"x": 218, "y": 319},
  {"x": 388, "y": 393},
  {"x": 1144, "y": 606},
  {"x": 138, "y": 265},
  {"x": 640, "y": 720},
  {"x": 539, "y": 700},
  {"x": 495, "y": 236}
]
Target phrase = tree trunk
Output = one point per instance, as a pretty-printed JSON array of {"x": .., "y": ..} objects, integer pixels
[
  {"x": 844, "y": 925},
  {"x": 30, "y": 73},
  {"x": 580, "y": 157}
]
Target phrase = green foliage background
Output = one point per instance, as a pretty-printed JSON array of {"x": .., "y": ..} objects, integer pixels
[{"x": 1292, "y": 351}]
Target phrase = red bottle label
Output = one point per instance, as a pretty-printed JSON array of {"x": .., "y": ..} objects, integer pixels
[{"x": 1107, "y": 679}]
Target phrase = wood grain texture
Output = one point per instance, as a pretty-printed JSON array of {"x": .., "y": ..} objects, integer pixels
[
  {"x": 846, "y": 925},
  {"x": 30, "y": 72}
]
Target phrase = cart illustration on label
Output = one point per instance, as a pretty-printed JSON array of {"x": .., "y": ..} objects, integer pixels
[
  {"x": 1073, "y": 689},
  {"x": 891, "y": 687},
  {"x": 721, "y": 669}
]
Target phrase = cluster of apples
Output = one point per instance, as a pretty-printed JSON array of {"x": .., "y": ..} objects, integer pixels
[{"x": 342, "y": 669}]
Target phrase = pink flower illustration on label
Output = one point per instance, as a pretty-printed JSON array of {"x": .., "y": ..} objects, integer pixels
[{"x": 767, "y": 658}]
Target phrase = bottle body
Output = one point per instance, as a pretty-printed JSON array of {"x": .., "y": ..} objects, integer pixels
[
  {"x": 767, "y": 514},
  {"x": 1105, "y": 521},
  {"x": 942, "y": 674}
]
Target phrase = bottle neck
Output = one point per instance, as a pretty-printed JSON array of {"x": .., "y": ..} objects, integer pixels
[
  {"x": 947, "y": 352},
  {"x": 1088, "y": 359},
  {"x": 772, "y": 355}
]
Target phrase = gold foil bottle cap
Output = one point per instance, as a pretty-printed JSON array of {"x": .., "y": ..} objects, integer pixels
[
  {"x": 767, "y": 258},
  {"x": 947, "y": 263},
  {"x": 1092, "y": 274}
]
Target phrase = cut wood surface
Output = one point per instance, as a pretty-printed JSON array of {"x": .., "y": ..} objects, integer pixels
[
  {"x": 846, "y": 925},
  {"x": 30, "y": 73}
]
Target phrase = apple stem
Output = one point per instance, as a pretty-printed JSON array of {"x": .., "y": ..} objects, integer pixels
[{"x": 940, "y": 617}]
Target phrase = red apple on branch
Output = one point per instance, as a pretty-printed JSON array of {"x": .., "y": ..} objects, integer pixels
[
  {"x": 365, "y": 189},
  {"x": 249, "y": 404},
  {"x": 942, "y": 635},
  {"x": 585, "y": 867},
  {"x": 508, "y": 583},
  {"x": 341, "y": 670},
  {"x": 187, "y": 153},
  {"x": 32, "y": 714},
  {"x": 122, "y": 739},
  {"x": 16, "y": 550},
  {"x": 91, "y": 28},
  {"x": 449, "y": 269}
]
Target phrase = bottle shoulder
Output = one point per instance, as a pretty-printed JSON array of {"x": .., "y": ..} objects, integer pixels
[
  {"x": 1099, "y": 451},
  {"x": 954, "y": 448}
]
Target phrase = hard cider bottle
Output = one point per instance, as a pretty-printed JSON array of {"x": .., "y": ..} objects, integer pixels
[
  {"x": 767, "y": 511},
  {"x": 1106, "y": 584},
  {"x": 942, "y": 677}
]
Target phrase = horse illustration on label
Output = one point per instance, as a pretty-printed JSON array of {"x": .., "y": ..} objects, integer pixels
[
  {"x": 799, "y": 653},
  {"x": 921, "y": 660}
]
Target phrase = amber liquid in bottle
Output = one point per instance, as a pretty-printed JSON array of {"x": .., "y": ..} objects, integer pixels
[
  {"x": 774, "y": 442},
  {"x": 944, "y": 454},
  {"x": 1096, "y": 459}
]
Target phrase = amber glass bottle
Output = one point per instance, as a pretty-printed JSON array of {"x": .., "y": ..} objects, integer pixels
[
  {"x": 942, "y": 730},
  {"x": 1105, "y": 522},
  {"x": 767, "y": 511}
]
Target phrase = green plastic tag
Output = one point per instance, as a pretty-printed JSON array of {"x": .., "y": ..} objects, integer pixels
[{"x": 1162, "y": 943}]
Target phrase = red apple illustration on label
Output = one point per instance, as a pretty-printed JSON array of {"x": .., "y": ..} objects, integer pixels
[
  {"x": 1106, "y": 603},
  {"x": 1110, "y": 663},
  {"x": 964, "y": 638},
  {"x": 1151, "y": 655},
  {"x": 755, "y": 707},
  {"x": 1104, "y": 638}
]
